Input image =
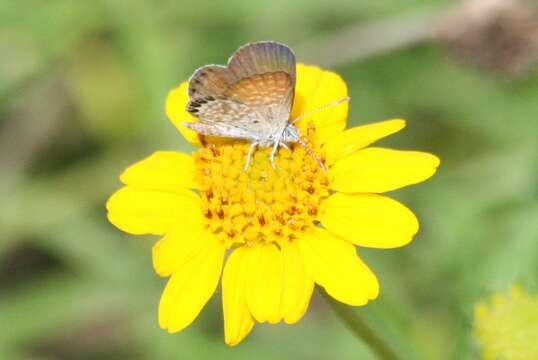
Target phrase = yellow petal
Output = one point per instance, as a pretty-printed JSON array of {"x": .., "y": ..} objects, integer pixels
[
  {"x": 379, "y": 170},
  {"x": 176, "y": 103},
  {"x": 163, "y": 170},
  {"x": 190, "y": 288},
  {"x": 316, "y": 88},
  {"x": 237, "y": 319},
  {"x": 359, "y": 137},
  {"x": 183, "y": 242},
  {"x": 298, "y": 284},
  {"x": 139, "y": 211},
  {"x": 264, "y": 287},
  {"x": 333, "y": 264},
  {"x": 369, "y": 220}
]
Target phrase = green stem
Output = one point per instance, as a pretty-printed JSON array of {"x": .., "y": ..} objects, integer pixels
[{"x": 360, "y": 329}]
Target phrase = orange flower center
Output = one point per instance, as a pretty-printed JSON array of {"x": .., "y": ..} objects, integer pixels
[{"x": 261, "y": 203}]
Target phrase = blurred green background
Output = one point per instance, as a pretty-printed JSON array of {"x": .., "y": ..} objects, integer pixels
[{"x": 82, "y": 90}]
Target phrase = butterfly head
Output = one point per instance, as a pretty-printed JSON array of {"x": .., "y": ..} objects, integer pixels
[{"x": 290, "y": 134}]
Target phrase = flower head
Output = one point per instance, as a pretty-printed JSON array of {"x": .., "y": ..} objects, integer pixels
[
  {"x": 507, "y": 326},
  {"x": 282, "y": 229}
]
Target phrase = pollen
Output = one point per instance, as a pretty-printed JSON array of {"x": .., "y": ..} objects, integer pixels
[{"x": 262, "y": 203}]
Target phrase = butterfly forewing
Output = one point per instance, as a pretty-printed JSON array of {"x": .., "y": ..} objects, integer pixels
[
  {"x": 262, "y": 89},
  {"x": 260, "y": 58}
]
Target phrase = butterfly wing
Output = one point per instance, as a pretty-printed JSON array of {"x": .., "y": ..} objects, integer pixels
[
  {"x": 265, "y": 57},
  {"x": 222, "y": 116},
  {"x": 209, "y": 80},
  {"x": 253, "y": 95}
]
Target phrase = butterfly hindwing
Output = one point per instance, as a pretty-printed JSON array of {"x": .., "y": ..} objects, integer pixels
[
  {"x": 209, "y": 80},
  {"x": 222, "y": 116}
]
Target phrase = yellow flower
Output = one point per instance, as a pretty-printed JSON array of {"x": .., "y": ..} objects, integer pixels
[
  {"x": 284, "y": 229},
  {"x": 507, "y": 327}
]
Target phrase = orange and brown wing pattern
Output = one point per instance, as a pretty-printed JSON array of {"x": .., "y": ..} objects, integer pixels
[
  {"x": 262, "y": 90},
  {"x": 256, "y": 90}
]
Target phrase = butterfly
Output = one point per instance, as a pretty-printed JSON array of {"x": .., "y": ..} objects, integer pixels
[{"x": 251, "y": 99}]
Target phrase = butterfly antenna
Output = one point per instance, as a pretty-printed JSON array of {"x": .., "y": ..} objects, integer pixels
[
  {"x": 321, "y": 108},
  {"x": 311, "y": 153}
]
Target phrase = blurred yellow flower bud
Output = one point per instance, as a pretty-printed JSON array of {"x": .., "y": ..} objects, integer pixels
[{"x": 506, "y": 327}]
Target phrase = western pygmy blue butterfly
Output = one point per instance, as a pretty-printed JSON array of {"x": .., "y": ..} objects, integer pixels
[{"x": 250, "y": 98}]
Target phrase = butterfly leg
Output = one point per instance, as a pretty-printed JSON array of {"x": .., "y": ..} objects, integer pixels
[
  {"x": 273, "y": 153},
  {"x": 284, "y": 145},
  {"x": 249, "y": 155}
]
